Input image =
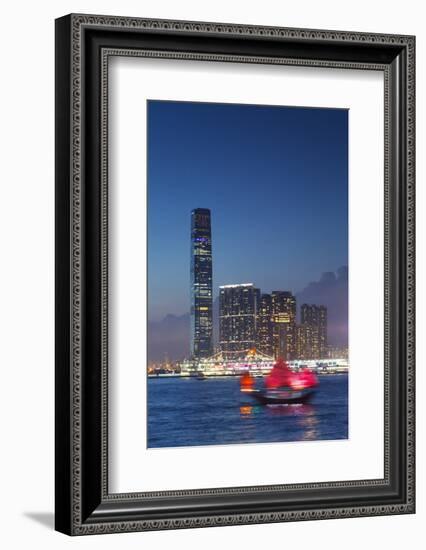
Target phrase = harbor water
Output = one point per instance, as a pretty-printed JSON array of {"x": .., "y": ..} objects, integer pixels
[{"x": 191, "y": 412}]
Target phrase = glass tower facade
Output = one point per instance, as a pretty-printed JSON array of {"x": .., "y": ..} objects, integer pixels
[
  {"x": 201, "y": 284},
  {"x": 284, "y": 324},
  {"x": 264, "y": 325},
  {"x": 304, "y": 341},
  {"x": 315, "y": 317},
  {"x": 238, "y": 307}
]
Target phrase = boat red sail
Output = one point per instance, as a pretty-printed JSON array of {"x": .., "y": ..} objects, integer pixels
[
  {"x": 282, "y": 377},
  {"x": 246, "y": 382},
  {"x": 306, "y": 379}
]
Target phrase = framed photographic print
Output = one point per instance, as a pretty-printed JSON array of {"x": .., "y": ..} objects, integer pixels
[{"x": 234, "y": 274}]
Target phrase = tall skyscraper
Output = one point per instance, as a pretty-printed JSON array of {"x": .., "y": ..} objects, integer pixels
[
  {"x": 201, "y": 284},
  {"x": 283, "y": 324},
  {"x": 264, "y": 325},
  {"x": 316, "y": 318},
  {"x": 238, "y": 306}
]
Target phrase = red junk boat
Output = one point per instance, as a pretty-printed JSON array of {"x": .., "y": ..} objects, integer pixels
[{"x": 282, "y": 386}]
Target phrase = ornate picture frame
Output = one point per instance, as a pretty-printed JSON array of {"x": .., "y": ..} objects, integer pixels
[{"x": 84, "y": 44}]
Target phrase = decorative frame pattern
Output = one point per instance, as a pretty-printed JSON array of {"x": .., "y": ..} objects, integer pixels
[{"x": 85, "y": 507}]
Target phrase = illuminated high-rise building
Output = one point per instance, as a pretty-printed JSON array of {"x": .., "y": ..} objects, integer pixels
[
  {"x": 238, "y": 307},
  {"x": 316, "y": 318},
  {"x": 283, "y": 324},
  {"x": 264, "y": 325},
  {"x": 201, "y": 284},
  {"x": 303, "y": 342}
]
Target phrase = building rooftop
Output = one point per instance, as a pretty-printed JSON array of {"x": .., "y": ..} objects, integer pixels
[{"x": 237, "y": 286}]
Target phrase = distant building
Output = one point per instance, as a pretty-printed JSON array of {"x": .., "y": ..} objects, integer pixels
[
  {"x": 338, "y": 352},
  {"x": 314, "y": 317},
  {"x": 201, "y": 284},
  {"x": 283, "y": 305},
  {"x": 264, "y": 325},
  {"x": 238, "y": 308},
  {"x": 303, "y": 341}
]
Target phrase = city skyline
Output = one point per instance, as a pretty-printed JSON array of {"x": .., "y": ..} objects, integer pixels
[
  {"x": 301, "y": 331},
  {"x": 249, "y": 320},
  {"x": 171, "y": 336},
  {"x": 278, "y": 197}
]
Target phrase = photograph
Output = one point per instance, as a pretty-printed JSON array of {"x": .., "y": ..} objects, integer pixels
[{"x": 247, "y": 255}]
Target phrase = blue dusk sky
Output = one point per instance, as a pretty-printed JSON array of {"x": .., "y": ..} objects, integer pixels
[{"x": 275, "y": 180}]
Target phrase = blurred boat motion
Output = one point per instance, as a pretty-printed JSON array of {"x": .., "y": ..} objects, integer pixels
[{"x": 282, "y": 385}]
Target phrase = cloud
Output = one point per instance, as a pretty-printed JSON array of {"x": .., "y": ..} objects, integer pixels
[{"x": 331, "y": 291}]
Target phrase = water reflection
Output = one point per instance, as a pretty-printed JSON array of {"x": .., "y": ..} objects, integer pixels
[
  {"x": 309, "y": 424},
  {"x": 250, "y": 410},
  {"x": 295, "y": 409},
  {"x": 305, "y": 416}
]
